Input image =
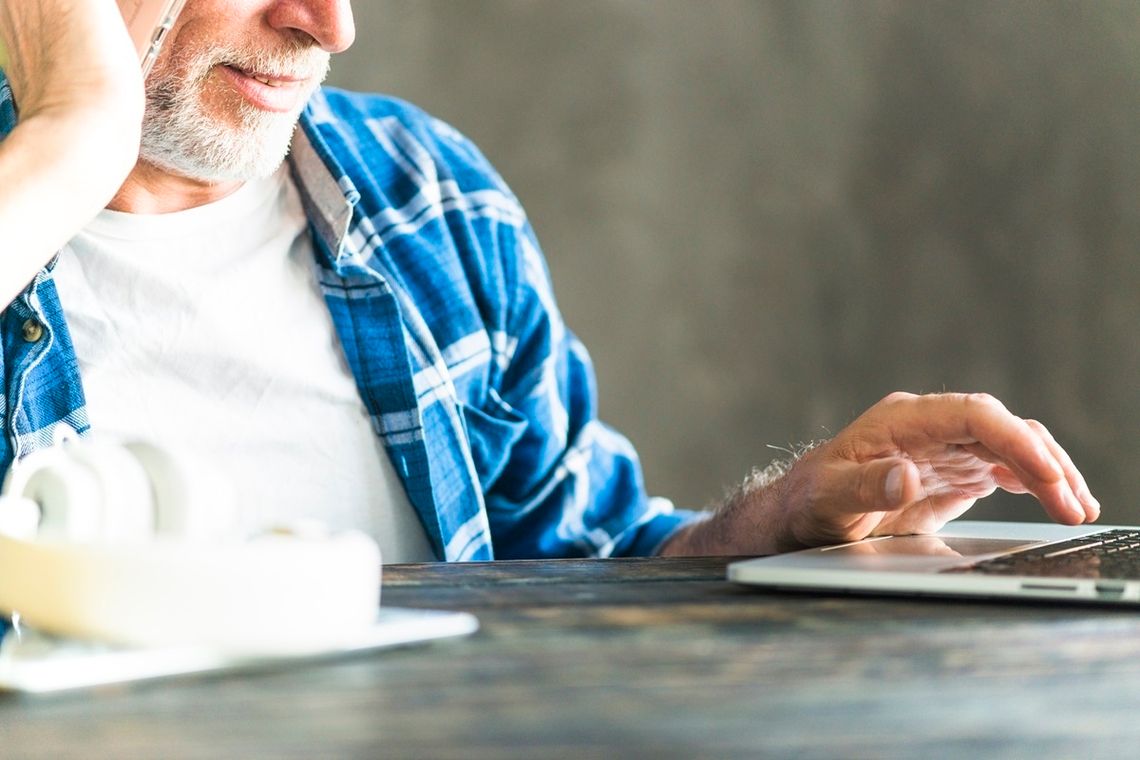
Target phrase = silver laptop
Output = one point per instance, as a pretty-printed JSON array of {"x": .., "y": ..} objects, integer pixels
[{"x": 1087, "y": 563}]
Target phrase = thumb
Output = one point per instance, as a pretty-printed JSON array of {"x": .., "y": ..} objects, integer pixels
[{"x": 884, "y": 484}]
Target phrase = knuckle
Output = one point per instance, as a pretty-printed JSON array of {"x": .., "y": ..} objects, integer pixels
[
  {"x": 898, "y": 397},
  {"x": 868, "y": 489},
  {"x": 984, "y": 401},
  {"x": 1038, "y": 427}
]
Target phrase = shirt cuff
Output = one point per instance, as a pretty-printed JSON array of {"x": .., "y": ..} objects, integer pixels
[{"x": 655, "y": 534}]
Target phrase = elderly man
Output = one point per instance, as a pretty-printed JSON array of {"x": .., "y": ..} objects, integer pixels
[{"x": 364, "y": 331}]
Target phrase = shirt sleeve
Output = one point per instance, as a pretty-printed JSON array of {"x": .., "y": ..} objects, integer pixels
[
  {"x": 557, "y": 481},
  {"x": 570, "y": 485}
]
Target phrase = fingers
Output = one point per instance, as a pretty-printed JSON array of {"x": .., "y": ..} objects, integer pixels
[
  {"x": 67, "y": 53},
  {"x": 852, "y": 500},
  {"x": 960, "y": 418},
  {"x": 981, "y": 425},
  {"x": 1087, "y": 502},
  {"x": 879, "y": 485},
  {"x": 1081, "y": 506}
]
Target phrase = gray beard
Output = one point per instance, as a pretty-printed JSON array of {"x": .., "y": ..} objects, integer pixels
[{"x": 178, "y": 136}]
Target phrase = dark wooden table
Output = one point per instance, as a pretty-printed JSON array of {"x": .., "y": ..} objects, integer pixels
[{"x": 644, "y": 658}]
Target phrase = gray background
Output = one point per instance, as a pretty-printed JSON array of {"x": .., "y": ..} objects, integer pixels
[{"x": 761, "y": 217}]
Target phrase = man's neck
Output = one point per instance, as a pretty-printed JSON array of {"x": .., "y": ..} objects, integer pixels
[{"x": 151, "y": 190}]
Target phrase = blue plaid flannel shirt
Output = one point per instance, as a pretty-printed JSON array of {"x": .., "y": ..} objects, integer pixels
[{"x": 440, "y": 295}]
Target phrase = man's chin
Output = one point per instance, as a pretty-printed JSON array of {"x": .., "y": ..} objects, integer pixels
[
  {"x": 216, "y": 155},
  {"x": 211, "y": 173},
  {"x": 208, "y": 175}
]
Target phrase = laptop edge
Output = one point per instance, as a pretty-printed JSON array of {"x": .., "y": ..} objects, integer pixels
[{"x": 918, "y": 565}]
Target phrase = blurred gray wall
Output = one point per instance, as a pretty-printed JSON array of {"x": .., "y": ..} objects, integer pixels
[{"x": 761, "y": 217}]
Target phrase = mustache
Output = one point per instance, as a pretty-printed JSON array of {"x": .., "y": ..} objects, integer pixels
[
  {"x": 296, "y": 60},
  {"x": 187, "y": 70},
  {"x": 310, "y": 63}
]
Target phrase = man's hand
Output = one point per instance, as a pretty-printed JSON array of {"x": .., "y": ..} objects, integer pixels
[
  {"x": 907, "y": 465},
  {"x": 66, "y": 55},
  {"x": 76, "y": 80}
]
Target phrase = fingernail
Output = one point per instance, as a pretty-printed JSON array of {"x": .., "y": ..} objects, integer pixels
[
  {"x": 1092, "y": 502},
  {"x": 894, "y": 486}
]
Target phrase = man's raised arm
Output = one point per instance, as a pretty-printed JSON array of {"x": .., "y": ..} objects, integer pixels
[{"x": 76, "y": 82}]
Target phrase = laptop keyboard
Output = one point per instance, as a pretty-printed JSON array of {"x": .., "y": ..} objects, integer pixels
[{"x": 1109, "y": 554}]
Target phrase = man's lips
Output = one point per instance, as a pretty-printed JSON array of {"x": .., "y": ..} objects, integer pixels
[
  {"x": 270, "y": 92},
  {"x": 273, "y": 80}
]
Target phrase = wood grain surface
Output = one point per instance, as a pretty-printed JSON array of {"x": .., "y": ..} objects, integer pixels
[{"x": 644, "y": 658}]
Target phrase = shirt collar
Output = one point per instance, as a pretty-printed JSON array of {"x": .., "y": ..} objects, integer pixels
[{"x": 327, "y": 192}]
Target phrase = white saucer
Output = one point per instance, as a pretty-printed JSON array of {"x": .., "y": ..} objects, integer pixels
[{"x": 32, "y": 662}]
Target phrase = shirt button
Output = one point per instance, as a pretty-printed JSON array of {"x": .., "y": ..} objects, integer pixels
[{"x": 33, "y": 330}]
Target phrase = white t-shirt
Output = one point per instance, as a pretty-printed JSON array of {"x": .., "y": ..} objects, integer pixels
[{"x": 206, "y": 329}]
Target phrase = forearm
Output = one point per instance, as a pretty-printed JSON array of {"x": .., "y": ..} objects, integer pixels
[
  {"x": 55, "y": 174},
  {"x": 74, "y": 76},
  {"x": 756, "y": 518},
  {"x": 750, "y": 521}
]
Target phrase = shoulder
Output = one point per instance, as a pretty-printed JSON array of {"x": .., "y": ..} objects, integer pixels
[
  {"x": 429, "y": 208},
  {"x": 385, "y": 130}
]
